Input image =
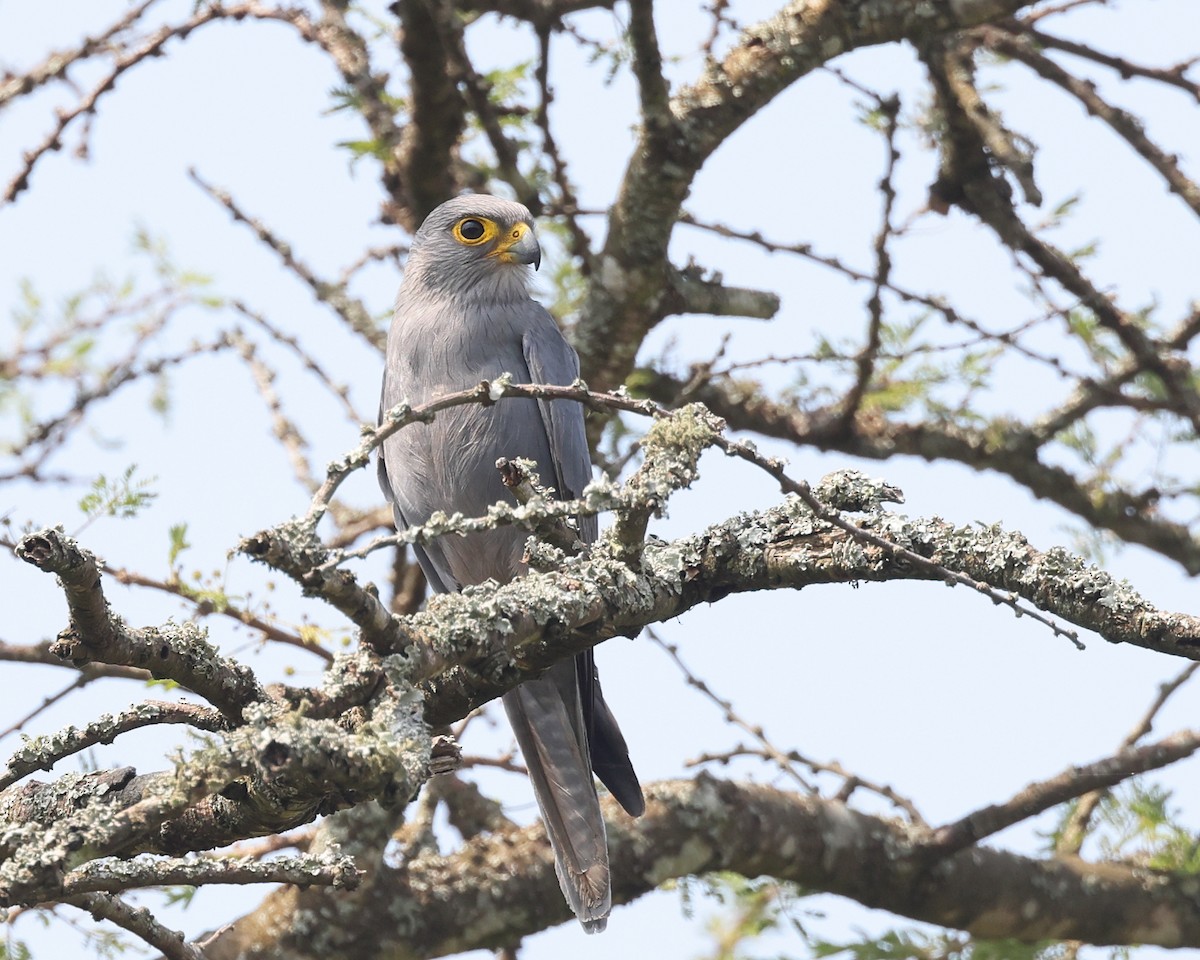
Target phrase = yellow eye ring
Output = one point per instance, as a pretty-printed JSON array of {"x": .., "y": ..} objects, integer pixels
[{"x": 473, "y": 231}]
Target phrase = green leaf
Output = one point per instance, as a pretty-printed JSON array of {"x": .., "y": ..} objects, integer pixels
[
  {"x": 29, "y": 310},
  {"x": 1066, "y": 206},
  {"x": 14, "y": 950},
  {"x": 365, "y": 148},
  {"x": 914, "y": 945},
  {"x": 506, "y": 82},
  {"x": 180, "y": 895},
  {"x": 179, "y": 542},
  {"x": 120, "y": 497},
  {"x": 895, "y": 396},
  {"x": 160, "y": 397}
]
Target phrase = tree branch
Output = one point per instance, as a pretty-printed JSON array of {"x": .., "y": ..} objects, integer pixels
[
  {"x": 501, "y": 887},
  {"x": 437, "y": 113},
  {"x": 176, "y": 652},
  {"x": 140, "y": 922},
  {"x": 41, "y": 753},
  {"x": 114, "y": 875},
  {"x": 627, "y": 299},
  {"x": 1128, "y": 127},
  {"x": 1006, "y": 447},
  {"x": 1072, "y": 783},
  {"x": 352, "y": 310}
]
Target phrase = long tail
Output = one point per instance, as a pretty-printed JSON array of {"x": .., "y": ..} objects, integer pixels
[{"x": 547, "y": 718}]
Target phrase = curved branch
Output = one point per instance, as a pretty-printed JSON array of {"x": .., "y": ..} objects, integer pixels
[
  {"x": 501, "y": 887},
  {"x": 176, "y": 652},
  {"x": 486, "y": 642},
  {"x": 138, "y": 921},
  {"x": 41, "y": 753},
  {"x": 1122, "y": 122},
  {"x": 627, "y": 297},
  {"x": 1007, "y": 448}
]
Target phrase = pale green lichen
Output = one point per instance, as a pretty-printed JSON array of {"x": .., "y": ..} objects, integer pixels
[
  {"x": 855, "y": 491},
  {"x": 499, "y": 386}
]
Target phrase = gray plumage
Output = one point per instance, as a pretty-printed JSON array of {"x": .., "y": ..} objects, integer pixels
[{"x": 463, "y": 315}]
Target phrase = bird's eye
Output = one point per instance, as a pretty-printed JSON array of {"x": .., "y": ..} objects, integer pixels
[{"x": 473, "y": 231}]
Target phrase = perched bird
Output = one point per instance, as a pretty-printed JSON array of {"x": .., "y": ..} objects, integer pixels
[{"x": 464, "y": 315}]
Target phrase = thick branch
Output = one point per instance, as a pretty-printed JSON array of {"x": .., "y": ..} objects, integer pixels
[
  {"x": 176, "y": 652},
  {"x": 1008, "y": 448},
  {"x": 690, "y": 292},
  {"x": 114, "y": 875},
  {"x": 501, "y": 636},
  {"x": 437, "y": 113},
  {"x": 627, "y": 298},
  {"x": 502, "y": 887}
]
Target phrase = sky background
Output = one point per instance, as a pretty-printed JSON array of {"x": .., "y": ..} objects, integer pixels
[{"x": 934, "y": 691}]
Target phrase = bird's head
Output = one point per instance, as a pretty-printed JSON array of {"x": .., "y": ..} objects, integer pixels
[{"x": 475, "y": 246}]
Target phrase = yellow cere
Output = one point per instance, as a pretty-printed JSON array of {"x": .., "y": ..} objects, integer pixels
[{"x": 515, "y": 233}]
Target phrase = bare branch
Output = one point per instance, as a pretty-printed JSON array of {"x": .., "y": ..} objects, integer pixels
[
  {"x": 140, "y": 922},
  {"x": 1174, "y": 76},
  {"x": 339, "y": 390},
  {"x": 967, "y": 179},
  {"x": 42, "y": 653},
  {"x": 691, "y": 292},
  {"x": 865, "y": 361},
  {"x": 1074, "y": 832},
  {"x": 173, "y": 652},
  {"x": 112, "y": 875},
  {"x": 55, "y": 66},
  {"x": 285, "y": 429},
  {"x": 41, "y": 753},
  {"x": 151, "y": 46},
  {"x": 1068, "y": 785},
  {"x": 1128, "y": 127},
  {"x": 352, "y": 311}
]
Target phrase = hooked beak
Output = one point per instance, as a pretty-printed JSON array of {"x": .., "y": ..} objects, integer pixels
[{"x": 519, "y": 245}]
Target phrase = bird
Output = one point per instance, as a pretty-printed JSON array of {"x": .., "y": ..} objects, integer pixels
[{"x": 463, "y": 315}]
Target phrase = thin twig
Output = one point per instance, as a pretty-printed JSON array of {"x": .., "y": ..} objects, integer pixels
[
  {"x": 867, "y": 357},
  {"x": 138, "y": 921},
  {"x": 785, "y": 760},
  {"x": 351, "y": 310},
  {"x": 47, "y": 702},
  {"x": 1069, "y": 784},
  {"x": 1075, "y": 830}
]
